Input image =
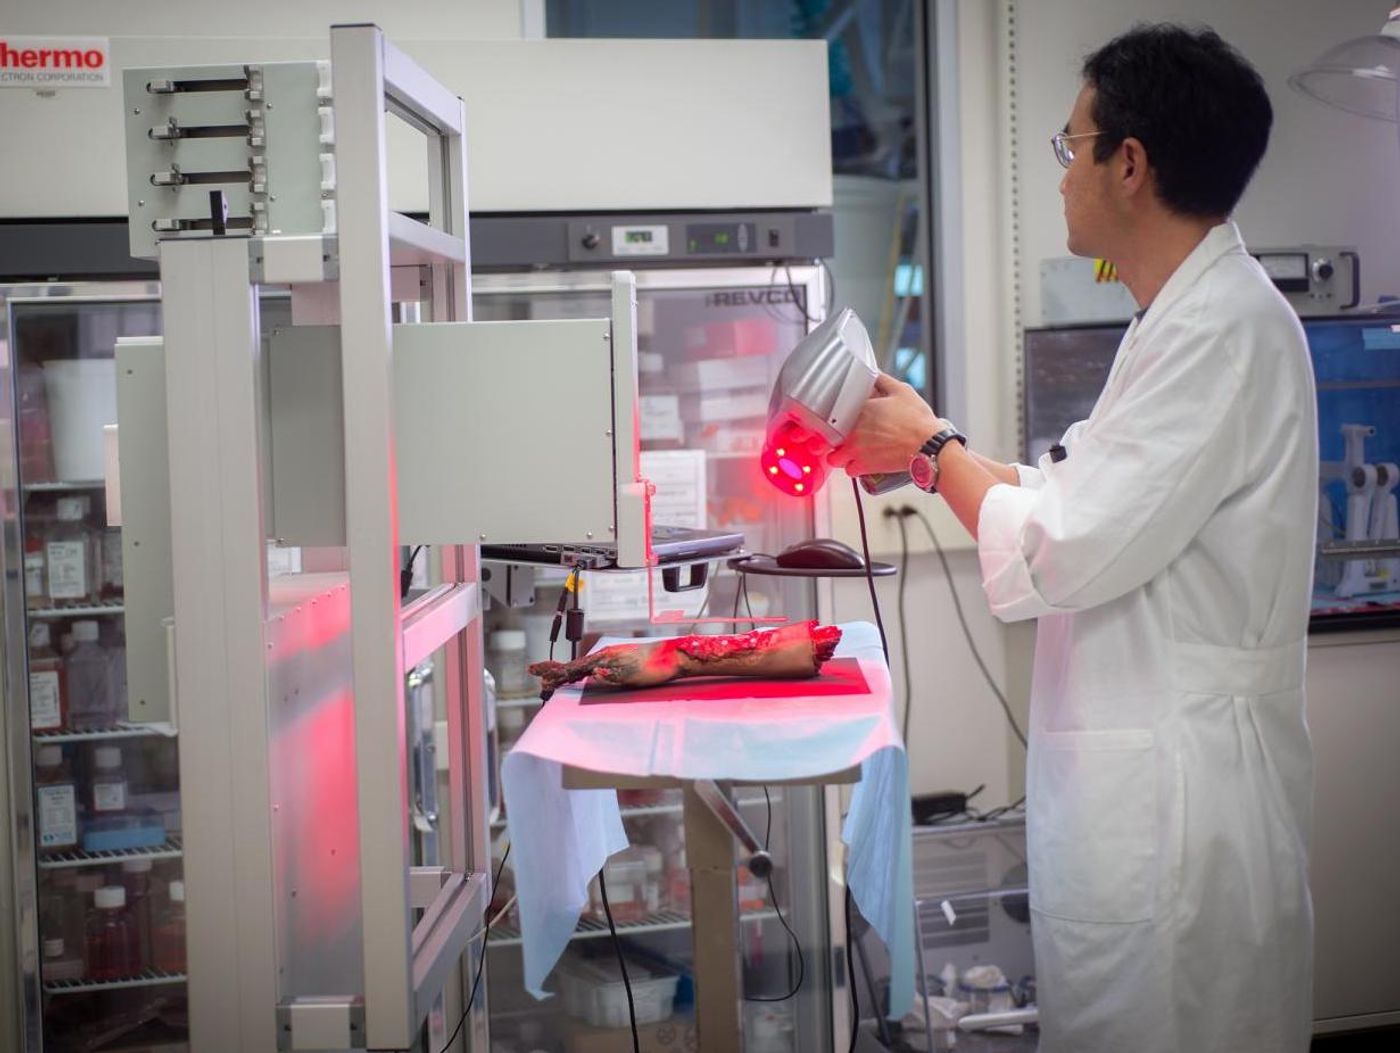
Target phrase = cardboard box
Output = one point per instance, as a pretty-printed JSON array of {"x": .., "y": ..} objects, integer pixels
[
  {"x": 713, "y": 407},
  {"x": 676, "y": 1035},
  {"x": 710, "y": 373}
]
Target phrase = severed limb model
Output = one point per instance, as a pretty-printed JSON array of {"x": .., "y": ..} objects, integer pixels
[{"x": 791, "y": 652}]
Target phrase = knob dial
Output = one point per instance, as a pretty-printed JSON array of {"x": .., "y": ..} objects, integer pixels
[
  {"x": 591, "y": 240},
  {"x": 1322, "y": 269}
]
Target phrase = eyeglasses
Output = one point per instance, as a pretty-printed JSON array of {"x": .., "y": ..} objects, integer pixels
[{"x": 1064, "y": 153}]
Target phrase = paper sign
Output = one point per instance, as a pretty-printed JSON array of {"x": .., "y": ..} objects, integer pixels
[
  {"x": 679, "y": 477},
  {"x": 46, "y": 63}
]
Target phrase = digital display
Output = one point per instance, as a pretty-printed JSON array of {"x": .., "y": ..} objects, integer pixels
[
  {"x": 717, "y": 239},
  {"x": 638, "y": 237}
]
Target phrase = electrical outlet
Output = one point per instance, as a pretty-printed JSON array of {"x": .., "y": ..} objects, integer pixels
[{"x": 883, "y": 529}]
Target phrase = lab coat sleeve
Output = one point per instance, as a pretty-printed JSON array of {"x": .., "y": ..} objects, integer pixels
[
  {"x": 1139, "y": 482},
  {"x": 1032, "y": 477}
]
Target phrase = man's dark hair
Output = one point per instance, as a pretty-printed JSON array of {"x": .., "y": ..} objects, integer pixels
[{"x": 1195, "y": 104}]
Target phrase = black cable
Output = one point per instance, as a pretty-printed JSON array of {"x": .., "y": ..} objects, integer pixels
[
  {"x": 621, "y": 964},
  {"x": 406, "y": 575},
  {"x": 869, "y": 575},
  {"x": 773, "y": 899},
  {"x": 481, "y": 962},
  {"x": 748, "y": 607},
  {"x": 851, "y": 974},
  {"x": 796, "y": 299},
  {"x": 574, "y": 636},
  {"x": 904, "y": 630},
  {"x": 967, "y": 632}
]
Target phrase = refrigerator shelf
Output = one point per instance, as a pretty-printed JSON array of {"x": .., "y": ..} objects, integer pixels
[
  {"x": 85, "y": 611},
  {"x": 507, "y": 935},
  {"x": 150, "y": 978},
  {"x": 172, "y": 849},
  {"x": 63, "y": 486},
  {"x": 123, "y": 730}
]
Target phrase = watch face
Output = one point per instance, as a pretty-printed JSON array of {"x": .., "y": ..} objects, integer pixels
[{"x": 921, "y": 470}]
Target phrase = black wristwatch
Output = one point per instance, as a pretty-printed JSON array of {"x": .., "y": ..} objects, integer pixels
[{"x": 923, "y": 468}]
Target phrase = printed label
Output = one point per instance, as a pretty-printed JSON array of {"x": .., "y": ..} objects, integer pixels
[
  {"x": 58, "y": 816},
  {"x": 71, "y": 507},
  {"x": 34, "y": 574},
  {"x": 109, "y": 797},
  {"x": 68, "y": 578},
  {"x": 44, "y": 710},
  {"x": 55, "y": 62}
]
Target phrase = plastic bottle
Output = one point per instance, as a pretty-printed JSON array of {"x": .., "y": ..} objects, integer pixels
[
  {"x": 48, "y": 682},
  {"x": 68, "y": 554},
  {"x": 507, "y": 647},
  {"x": 112, "y": 951},
  {"x": 36, "y": 582},
  {"x": 168, "y": 937},
  {"x": 89, "y": 681},
  {"x": 57, "y": 800},
  {"x": 114, "y": 644},
  {"x": 108, "y": 782},
  {"x": 60, "y": 963},
  {"x": 88, "y": 881},
  {"x": 109, "y": 545},
  {"x": 35, "y": 434},
  {"x": 136, "y": 879}
]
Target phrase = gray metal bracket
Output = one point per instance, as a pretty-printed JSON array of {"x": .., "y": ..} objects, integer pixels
[{"x": 760, "y": 863}]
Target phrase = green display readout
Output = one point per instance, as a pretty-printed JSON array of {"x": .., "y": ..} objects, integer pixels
[
  {"x": 638, "y": 237},
  {"x": 719, "y": 238}
]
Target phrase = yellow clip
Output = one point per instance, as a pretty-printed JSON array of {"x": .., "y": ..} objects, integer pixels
[
  {"x": 1105, "y": 271},
  {"x": 573, "y": 582}
]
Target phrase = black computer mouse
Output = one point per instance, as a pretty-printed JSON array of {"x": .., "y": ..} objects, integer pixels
[{"x": 820, "y": 553}]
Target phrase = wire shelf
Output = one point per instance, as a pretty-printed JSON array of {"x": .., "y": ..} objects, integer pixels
[
  {"x": 122, "y": 730},
  {"x": 149, "y": 978},
  {"x": 173, "y": 848},
  {"x": 61, "y": 486},
  {"x": 78, "y": 611},
  {"x": 503, "y": 934}
]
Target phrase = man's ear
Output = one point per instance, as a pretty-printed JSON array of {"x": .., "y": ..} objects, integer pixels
[{"x": 1133, "y": 173}]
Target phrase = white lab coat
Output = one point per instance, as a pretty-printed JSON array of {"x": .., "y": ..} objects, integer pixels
[{"x": 1168, "y": 559}]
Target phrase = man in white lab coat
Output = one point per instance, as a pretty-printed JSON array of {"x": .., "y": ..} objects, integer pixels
[{"x": 1165, "y": 548}]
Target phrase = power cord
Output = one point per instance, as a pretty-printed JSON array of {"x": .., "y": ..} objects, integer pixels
[
  {"x": 869, "y": 574},
  {"x": 481, "y": 962},
  {"x": 773, "y": 899},
  {"x": 406, "y": 575},
  {"x": 904, "y": 626},
  {"x": 908, "y": 510},
  {"x": 621, "y": 963}
]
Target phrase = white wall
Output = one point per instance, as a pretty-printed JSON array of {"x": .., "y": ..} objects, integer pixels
[
  {"x": 409, "y": 19},
  {"x": 1328, "y": 177}
]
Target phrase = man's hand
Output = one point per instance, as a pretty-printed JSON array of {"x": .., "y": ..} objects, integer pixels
[{"x": 895, "y": 422}]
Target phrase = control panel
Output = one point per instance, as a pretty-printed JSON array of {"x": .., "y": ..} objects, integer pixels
[{"x": 1314, "y": 279}]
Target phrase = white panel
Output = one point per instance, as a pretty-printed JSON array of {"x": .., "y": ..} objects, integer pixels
[
  {"x": 519, "y": 409},
  {"x": 554, "y": 125}
]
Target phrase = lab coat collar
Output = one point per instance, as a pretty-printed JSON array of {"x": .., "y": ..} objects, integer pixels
[{"x": 1221, "y": 240}]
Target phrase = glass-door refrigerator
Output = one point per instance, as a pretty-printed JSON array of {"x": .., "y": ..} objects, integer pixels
[
  {"x": 95, "y": 824},
  {"x": 710, "y": 340}
]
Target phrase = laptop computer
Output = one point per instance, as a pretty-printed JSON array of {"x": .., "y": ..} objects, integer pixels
[{"x": 670, "y": 545}]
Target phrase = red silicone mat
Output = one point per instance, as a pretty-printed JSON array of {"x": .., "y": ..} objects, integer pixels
[{"x": 840, "y": 676}]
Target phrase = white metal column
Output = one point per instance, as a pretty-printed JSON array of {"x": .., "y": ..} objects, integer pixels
[
  {"x": 403, "y": 973},
  {"x": 219, "y": 571}
]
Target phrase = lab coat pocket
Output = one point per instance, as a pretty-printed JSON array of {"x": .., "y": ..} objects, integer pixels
[{"x": 1092, "y": 835}]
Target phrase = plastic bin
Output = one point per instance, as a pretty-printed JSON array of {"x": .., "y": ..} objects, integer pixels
[
  {"x": 82, "y": 395},
  {"x": 594, "y": 992}
]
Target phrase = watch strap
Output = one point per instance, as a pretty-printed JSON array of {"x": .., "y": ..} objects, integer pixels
[{"x": 935, "y": 445}]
